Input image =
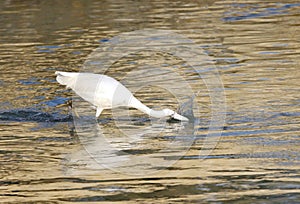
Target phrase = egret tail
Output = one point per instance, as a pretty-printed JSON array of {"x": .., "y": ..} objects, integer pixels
[{"x": 66, "y": 78}]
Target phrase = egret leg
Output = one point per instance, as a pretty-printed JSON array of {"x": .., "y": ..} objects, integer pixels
[{"x": 98, "y": 112}]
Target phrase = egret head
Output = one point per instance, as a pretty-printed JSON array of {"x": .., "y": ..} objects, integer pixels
[{"x": 174, "y": 115}]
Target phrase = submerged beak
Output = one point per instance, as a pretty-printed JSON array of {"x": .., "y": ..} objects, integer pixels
[{"x": 179, "y": 117}]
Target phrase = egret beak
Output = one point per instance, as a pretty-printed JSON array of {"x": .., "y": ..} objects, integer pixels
[{"x": 179, "y": 117}]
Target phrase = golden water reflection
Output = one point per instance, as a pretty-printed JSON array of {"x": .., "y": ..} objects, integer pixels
[{"x": 255, "y": 46}]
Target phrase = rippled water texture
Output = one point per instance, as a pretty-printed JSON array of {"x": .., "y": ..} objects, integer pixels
[{"x": 253, "y": 44}]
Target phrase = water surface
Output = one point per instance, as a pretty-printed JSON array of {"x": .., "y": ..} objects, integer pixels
[{"x": 254, "y": 45}]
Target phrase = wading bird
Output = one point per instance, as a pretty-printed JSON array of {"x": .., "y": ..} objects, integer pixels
[{"x": 104, "y": 92}]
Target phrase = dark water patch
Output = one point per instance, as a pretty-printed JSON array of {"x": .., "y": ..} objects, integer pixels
[
  {"x": 291, "y": 156},
  {"x": 267, "y": 198},
  {"x": 55, "y": 139},
  {"x": 255, "y": 11},
  {"x": 164, "y": 192},
  {"x": 30, "y": 81},
  {"x": 14, "y": 195},
  {"x": 104, "y": 40},
  {"x": 86, "y": 180},
  {"x": 138, "y": 151},
  {"x": 285, "y": 114},
  {"x": 258, "y": 132},
  {"x": 26, "y": 115},
  {"x": 194, "y": 157},
  {"x": 56, "y": 101},
  {"x": 47, "y": 48}
]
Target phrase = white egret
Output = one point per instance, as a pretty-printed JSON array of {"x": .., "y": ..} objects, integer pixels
[{"x": 105, "y": 92}]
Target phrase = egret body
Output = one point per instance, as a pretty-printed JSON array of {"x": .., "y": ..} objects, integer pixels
[{"x": 105, "y": 92}]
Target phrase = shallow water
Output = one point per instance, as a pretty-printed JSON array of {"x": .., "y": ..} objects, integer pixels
[{"x": 255, "y": 47}]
